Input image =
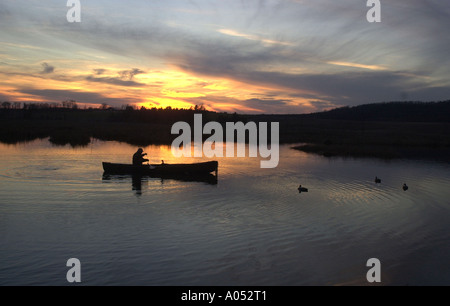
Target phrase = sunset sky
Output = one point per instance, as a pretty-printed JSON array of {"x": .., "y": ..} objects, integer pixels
[{"x": 291, "y": 56}]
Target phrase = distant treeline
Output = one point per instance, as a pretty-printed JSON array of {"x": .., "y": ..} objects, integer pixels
[
  {"x": 383, "y": 129},
  {"x": 72, "y": 104},
  {"x": 77, "y": 126},
  {"x": 414, "y": 111},
  {"x": 69, "y": 104},
  {"x": 391, "y": 111},
  {"x": 167, "y": 115}
]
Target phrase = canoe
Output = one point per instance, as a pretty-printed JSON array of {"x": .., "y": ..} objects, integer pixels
[{"x": 161, "y": 170}]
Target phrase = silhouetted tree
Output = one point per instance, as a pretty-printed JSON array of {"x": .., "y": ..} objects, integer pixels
[
  {"x": 6, "y": 105},
  {"x": 129, "y": 107},
  {"x": 69, "y": 104},
  {"x": 200, "y": 108}
]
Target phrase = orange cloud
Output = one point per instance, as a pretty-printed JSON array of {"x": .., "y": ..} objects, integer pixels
[
  {"x": 253, "y": 37},
  {"x": 356, "y": 65}
]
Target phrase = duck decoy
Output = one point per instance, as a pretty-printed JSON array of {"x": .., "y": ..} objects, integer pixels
[
  {"x": 377, "y": 180},
  {"x": 405, "y": 187},
  {"x": 302, "y": 189}
]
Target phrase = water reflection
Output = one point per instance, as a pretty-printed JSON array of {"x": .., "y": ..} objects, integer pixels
[
  {"x": 254, "y": 227},
  {"x": 137, "y": 184},
  {"x": 138, "y": 180}
]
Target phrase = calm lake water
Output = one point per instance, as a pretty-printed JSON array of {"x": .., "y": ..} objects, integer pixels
[{"x": 251, "y": 228}]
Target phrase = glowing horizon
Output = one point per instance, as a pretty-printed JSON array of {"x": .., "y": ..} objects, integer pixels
[{"x": 261, "y": 57}]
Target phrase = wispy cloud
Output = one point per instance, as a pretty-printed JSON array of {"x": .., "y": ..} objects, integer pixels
[
  {"x": 54, "y": 95},
  {"x": 47, "y": 68},
  {"x": 129, "y": 74},
  {"x": 122, "y": 77},
  {"x": 21, "y": 46},
  {"x": 355, "y": 65},
  {"x": 114, "y": 81},
  {"x": 254, "y": 37},
  {"x": 254, "y": 56},
  {"x": 99, "y": 71}
]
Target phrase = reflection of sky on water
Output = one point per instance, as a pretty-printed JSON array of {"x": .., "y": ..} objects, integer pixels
[{"x": 253, "y": 227}]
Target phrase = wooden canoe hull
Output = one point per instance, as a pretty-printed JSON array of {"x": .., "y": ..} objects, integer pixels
[{"x": 161, "y": 170}]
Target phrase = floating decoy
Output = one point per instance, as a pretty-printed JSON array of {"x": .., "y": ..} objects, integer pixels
[
  {"x": 377, "y": 180},
  {"x": 302, "y": 189},
  {"x": 405, "y": 187}
]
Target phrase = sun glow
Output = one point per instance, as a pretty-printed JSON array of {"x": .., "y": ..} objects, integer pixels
[
  {"x": 162, "y": 102},
  {"x": 96, "y": 85}
]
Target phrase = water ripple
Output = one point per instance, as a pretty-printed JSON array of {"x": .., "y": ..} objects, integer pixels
[{"x": 253, "y": 227}]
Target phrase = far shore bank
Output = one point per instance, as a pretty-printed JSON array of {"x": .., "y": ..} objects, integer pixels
[
  {"x": 386, "y": 152},
  {"x": 327, "y": 137}
]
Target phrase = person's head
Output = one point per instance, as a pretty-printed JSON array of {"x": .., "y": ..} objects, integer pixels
[{"x": 140, "y": 150}]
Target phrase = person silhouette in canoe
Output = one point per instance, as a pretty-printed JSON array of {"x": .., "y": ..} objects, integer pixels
[{"x": 138, "y": 157}]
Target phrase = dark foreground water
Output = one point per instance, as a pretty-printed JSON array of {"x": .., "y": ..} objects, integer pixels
[{"x": 251, "y": 228}]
